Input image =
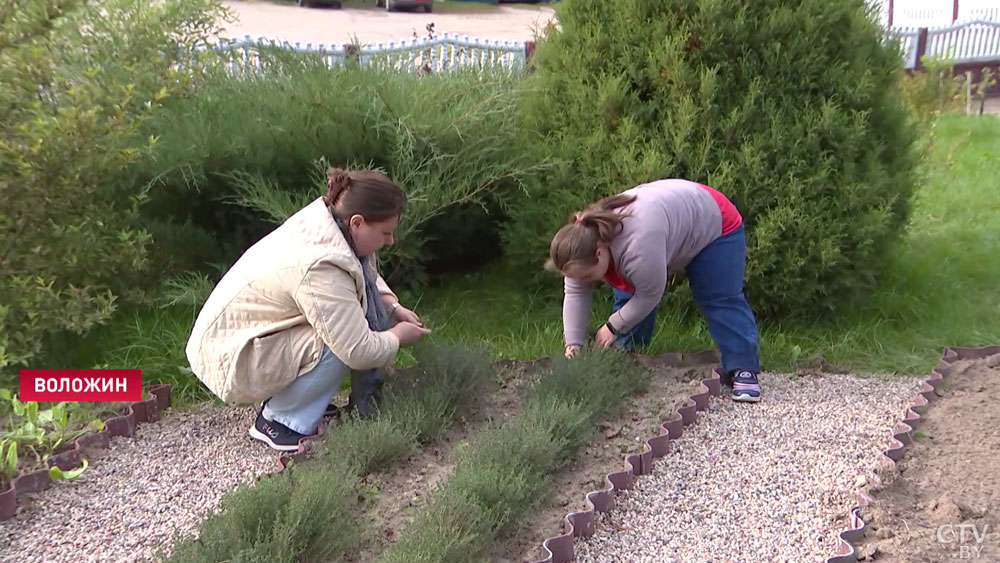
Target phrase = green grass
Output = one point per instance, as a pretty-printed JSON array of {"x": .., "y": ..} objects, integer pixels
[{"x": 939, "y": 288}]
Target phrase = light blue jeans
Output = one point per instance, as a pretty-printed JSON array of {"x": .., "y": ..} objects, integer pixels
[{"x": 301, "y": 405}]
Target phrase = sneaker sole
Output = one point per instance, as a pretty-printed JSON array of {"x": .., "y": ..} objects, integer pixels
[
  {"x": 744, "y": 398},
  {"x": 258, "y": 435}
]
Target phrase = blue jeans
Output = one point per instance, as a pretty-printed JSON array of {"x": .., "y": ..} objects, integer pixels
[
  {"x": 301, "y": 405},
  {"x": 716, "y": 279}
]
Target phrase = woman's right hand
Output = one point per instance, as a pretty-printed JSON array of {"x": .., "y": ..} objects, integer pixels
[
  {"x": 571, "y": 350},
  {"x": 408, "y": 333}
]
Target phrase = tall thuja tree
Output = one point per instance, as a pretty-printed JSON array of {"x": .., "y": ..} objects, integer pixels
[
  {"x": 78, "y": 79},
  {"x": 788, "y": 107}
]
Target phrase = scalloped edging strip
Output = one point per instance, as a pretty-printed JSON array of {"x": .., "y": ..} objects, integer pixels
[
  {"x": 901, "y": 437},
  {"x": 122, "y": 425},
  {"x": 581, "y": 524}
]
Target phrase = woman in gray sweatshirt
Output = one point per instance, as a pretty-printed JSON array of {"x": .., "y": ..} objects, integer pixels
[{"x": 634, "y": 241}]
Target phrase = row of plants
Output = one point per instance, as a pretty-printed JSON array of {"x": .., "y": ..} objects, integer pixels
[
  {"x": 506, "y": 468},
  {"x": 311, "y": 511}
]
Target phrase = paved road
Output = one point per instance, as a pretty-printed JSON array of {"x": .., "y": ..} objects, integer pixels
[{"x": 374, "y": 25}]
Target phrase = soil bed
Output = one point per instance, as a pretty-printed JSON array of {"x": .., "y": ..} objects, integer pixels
[
  {"x": 402, "y": 490},
  {"x": 638, "y": 420},
  {"x": 942, "y": 503}
]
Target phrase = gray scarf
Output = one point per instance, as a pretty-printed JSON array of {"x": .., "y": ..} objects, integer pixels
[
  {"x": 366, "y": 385},
  {"x": 377, "y": 315}
]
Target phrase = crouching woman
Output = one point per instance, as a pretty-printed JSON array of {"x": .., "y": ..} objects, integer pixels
[{"x": 302, "y": 307}]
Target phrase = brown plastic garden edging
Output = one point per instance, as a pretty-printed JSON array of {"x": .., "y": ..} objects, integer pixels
[
  {"x": 902, "y": 436},
  {"x": 581, "y": 524},
  {"x": 122, "y": 425}
]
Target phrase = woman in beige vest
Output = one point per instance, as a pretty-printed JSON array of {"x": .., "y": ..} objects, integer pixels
[{"x": 303, "y": 306}]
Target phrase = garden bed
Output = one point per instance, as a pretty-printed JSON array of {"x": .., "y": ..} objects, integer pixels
[
  {"x": 62, "y": 437},
  {"x": 671, "y": 385},
  {"x": 402, "y": 489},
  {"x": 941, "y": 502}
]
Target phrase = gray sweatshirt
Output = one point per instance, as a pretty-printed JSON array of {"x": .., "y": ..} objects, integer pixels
[{"x": 671, "y": 222}]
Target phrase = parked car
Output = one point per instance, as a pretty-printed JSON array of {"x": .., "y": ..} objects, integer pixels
[
  {"x": 391, "y": 5},
  {"x": 308, "y": 3}
]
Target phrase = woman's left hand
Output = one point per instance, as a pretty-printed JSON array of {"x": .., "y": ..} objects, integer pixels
[
  {"x": 404, "y": 315},
  {"x": 604, "y": 337}
]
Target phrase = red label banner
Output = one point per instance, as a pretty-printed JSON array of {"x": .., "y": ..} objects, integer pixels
[{"x": 82, "y": 385}]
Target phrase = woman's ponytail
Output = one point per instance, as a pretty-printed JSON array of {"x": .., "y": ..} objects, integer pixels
[
  {"x": 338, "y": 181},
  {"x": 577, "y": 242}
]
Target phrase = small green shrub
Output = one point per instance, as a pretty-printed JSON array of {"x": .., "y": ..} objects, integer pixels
[
  {"x": 373, "y": 444},
  {"x": 300, "y": 535},
  {"x": 594, "y": 378},
  {"x": 789, "y": 108},
  {"x": 446, "y": 381},
  {"x": 450, "y": 531},
  {"x": 933, "y": 90},
  {"x": 30, "y": 432}
]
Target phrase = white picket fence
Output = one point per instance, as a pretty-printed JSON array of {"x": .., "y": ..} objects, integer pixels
[
  {"x": 935, "y": 13},
  {"x": 969, "y": 42},
  {"x": 418, "y": 54}
]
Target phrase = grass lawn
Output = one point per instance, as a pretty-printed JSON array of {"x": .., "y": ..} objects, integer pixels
[{"x": 940, "y": 289}]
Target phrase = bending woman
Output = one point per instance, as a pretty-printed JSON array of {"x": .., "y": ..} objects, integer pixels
[
  {"x": 634, "y": 241},
  {"x": 304, "y": 305}
]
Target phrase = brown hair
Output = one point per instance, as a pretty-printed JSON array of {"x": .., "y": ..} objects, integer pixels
[
  {"x": 577, "y": 241},
  {"x": 367, "y": 193}
]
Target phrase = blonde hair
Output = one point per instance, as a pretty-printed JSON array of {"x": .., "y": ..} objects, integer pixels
[{"x": 577, "y": 241}]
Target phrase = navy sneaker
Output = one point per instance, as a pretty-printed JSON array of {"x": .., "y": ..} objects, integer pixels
[
  {"x": 275, "y": 434},
  {"x": 746, "y": 388}
]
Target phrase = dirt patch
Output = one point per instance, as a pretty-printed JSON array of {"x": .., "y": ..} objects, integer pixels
[
  {"x": 638, "y": 420},
  {"x": 402, "y": 491},
  {"x": 944, "y": 502}
]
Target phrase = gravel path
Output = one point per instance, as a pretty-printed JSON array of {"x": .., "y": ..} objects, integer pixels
[
  {"x": 765, "y": 482},
  {"x": 170, "y": 475}
]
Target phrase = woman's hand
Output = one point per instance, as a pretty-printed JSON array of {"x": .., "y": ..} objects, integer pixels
[
  {"x": 404, "y": 315},
  {"x": 572, "y": 350},
  {"x": 604, "y": 337},
  {"x": 408, "y": 333}
]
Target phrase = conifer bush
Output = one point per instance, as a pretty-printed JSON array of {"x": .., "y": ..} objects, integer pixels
[
  {"x": 248, "y": 150},
  {"x": 790, "y": 108}
]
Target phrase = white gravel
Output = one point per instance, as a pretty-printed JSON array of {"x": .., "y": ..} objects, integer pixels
[
  {"x": 765, "y": 482},
  {"x": 169, "y": 476}
]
